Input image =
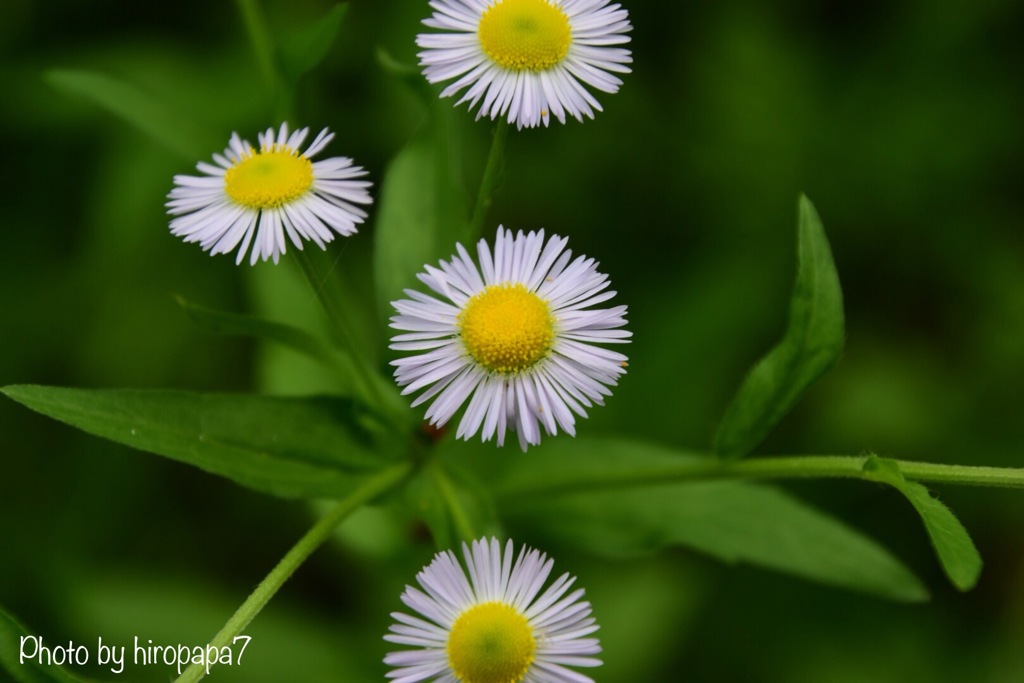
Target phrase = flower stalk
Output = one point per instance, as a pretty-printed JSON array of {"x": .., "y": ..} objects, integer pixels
[
  {"x": 490, "y": 180},
  {"x": 777, "y": 467},
  {"x": 313, "y": 539},
  {"x": 257, "y": 28},
  {"x": 463, "y": 526}
]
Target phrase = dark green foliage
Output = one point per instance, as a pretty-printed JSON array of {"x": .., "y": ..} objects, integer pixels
[
  {"x": 810, "y": 346},
  {"x": 314, "y": 447}
]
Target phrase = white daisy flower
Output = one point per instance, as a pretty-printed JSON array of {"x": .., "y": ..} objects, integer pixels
[
  {"x": 256, "y": 197},
  {"x": 519, "y": 339},
  {"x": 492, "y": 627},
  {"x": 526, "y": 58}
]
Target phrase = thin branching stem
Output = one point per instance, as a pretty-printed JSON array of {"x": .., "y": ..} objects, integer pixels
[
  {"x": 777, "y": 467},
  {"x": 263, "y": 47},
  {"x": 320, "y": 532},
  {"x": 463, "y": 527},
  {"x": 491, "y": 178}
]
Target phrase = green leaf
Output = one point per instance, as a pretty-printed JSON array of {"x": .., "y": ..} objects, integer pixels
[
  {"x": 426, "y": 503},
  {"x": 407, "y": 73},
  {"x": 29, "y": 670},
  {"x": 956, "y": 551},
  {"x": 453, "y": 511},
  {"x": 451, "y": 498},
  {"x": 422, "y": 211},
  {"x": 733, "y": 521},
  {"x": 465, "y": 495},
  {"x": 396, "y": 67},
  {"x": 312, "y": 447},
  {"x": 157, "y": 120},
  {"x": 810, "y": 346},
  {"x": 306, "y": 48},
  {"x": 223, "y": 322},
  {"x": 953, "y": 545},
  {"x": 570, "y": 465}
]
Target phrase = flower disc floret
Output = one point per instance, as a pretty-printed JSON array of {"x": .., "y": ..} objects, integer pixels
[
  {"x": 269, "y": 178},
  {"x": 506, "y": 328},
  {"x": 525, "y": 35},
  {"x": 490, "y": 643}
]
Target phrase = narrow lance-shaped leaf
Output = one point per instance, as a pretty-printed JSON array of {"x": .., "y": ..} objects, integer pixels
[
  {"x": 227, "y": 323},
  {"x": 810, "y": 346},
  {"x": 408, "y": 73},
  {"x": 422, "y": 211},
  {"x": 454, "y": 508},
  {"x": 426, "y": 504},
  {"x": 466, "y": 495},
  {"x": 311, "y": 447},
  {"x": 953, "y": 545},
  {"x": 16, "y": 640},
  {"x": 306, "y": 48},
  {"x": 158, "y": 120},
  {"x": 355, "y": 333},
  {"x": 733, "y": 521}
]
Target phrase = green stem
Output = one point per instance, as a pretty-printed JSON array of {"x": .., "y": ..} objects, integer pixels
[
  {"x": 376, "y": 391},
  {"x": 781, "y": 467},
  {"x": 1004, "y": 477},
  {"x": 319, "y": 533},
  {"x": 491, "y": 178},
  {"x": 329, "y": 298},
  {"x": 463, "y": 526},
  {"x": 818, "y": 466},
  {"x": 368, "y": 384},
  {"x": 263, "y": 47}
]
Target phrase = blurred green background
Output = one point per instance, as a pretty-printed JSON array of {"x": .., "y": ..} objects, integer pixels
[{"x": 901, "y": 120}]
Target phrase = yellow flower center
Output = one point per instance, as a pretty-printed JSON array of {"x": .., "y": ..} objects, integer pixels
[
  {"x": 271, "y": 177},
  {"x": 525, "y": 35},
  {"x": 506, "y": 328},
  {"x": 491, "y": 643}
]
